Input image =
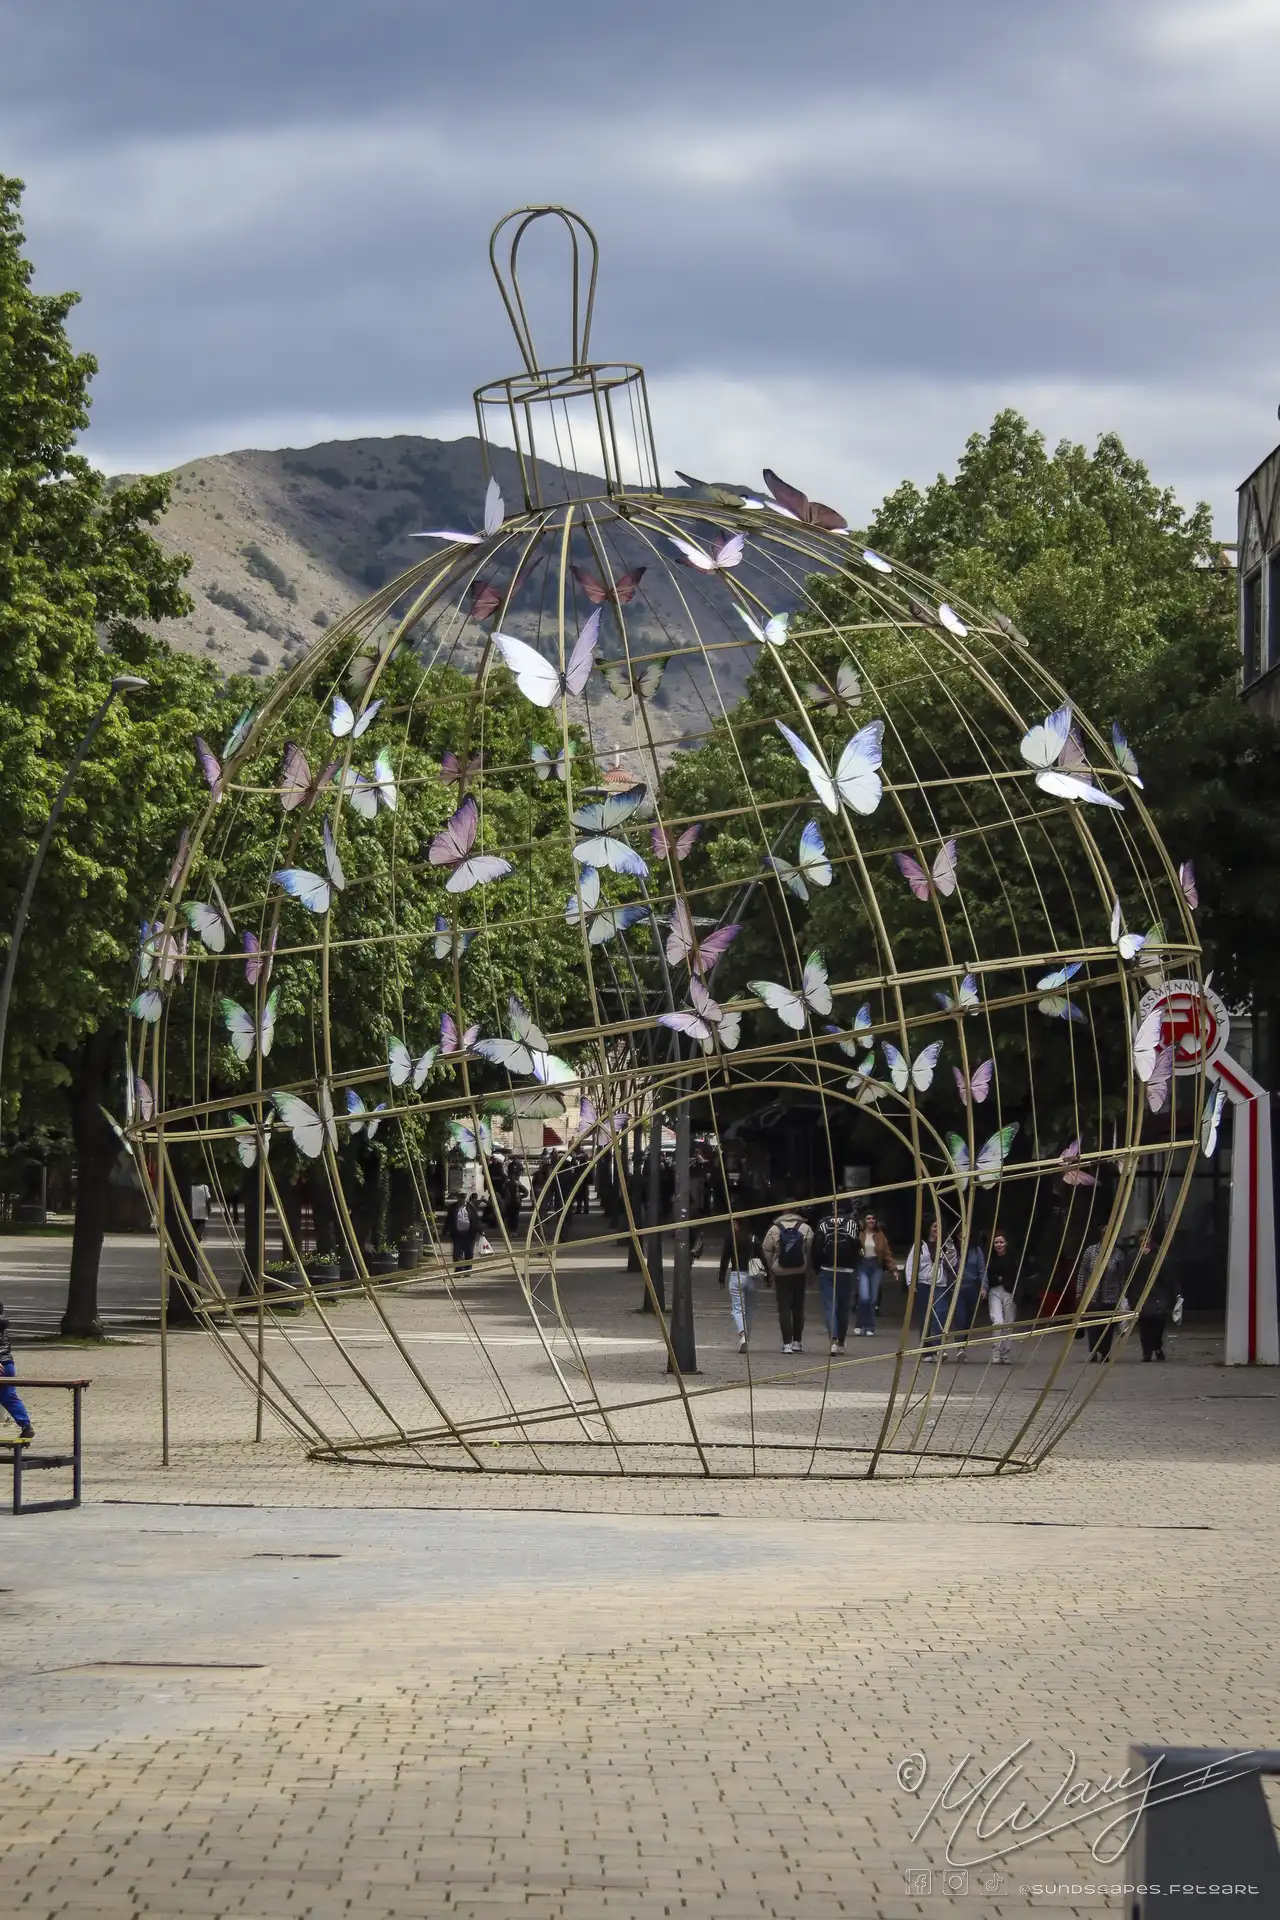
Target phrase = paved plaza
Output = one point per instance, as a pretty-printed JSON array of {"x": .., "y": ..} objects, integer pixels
[{"x": 253, "y": 1684}]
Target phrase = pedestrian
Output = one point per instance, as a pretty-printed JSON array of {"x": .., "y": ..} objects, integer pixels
[
  {"x": 875, "y": 1259},
  {"x": 970, "y": 1294},
  {"x": 741, "y": 1270},
  {"x": 1153, "y": 1314},
  {"x": 200, "y": 1198},
  {"x": 787, "y": 1250},
  {"x": 1105, "y": 1298},
  {"x": 944, "y": 1266},
  {"x": 9, "y": 1395},
  {"x": 1002, "y": 1274},
  {"x": 462, "y": 1224},
  {"x": 837, "y": 1251}
]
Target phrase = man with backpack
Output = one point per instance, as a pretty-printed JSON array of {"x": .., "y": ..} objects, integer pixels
[
  {"x": 787, "y": 1250},
  {"x": 837, "y": 1250},
  {"x": 462, "y": 1224}
]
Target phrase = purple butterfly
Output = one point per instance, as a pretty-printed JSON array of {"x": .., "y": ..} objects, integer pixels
[
  {"x": 978, "y": 1085},
  {"x": 798, "y": 506},
  {"x": 452, "y": 769},
  {"x": 259, "y": 960},
  {"x": 210, "y": 766},
  {"x": 451, "y": 1041},
  {"x": 698, "y": 952},
  {"x": 297, "y": 787},
  {"x": 665, "y": 843},
  {"x": 452, "y": 848}
]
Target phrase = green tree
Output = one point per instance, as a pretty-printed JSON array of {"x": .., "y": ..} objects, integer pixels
[{"x": 80, "y": 578}]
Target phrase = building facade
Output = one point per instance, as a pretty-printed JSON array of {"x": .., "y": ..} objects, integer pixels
[{"x": 1258, "y": 563}]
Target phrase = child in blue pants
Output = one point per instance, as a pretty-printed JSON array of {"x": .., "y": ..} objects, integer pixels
[{"x": 9, "y": 1395}]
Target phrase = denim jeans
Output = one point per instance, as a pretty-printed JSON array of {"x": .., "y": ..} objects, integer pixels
[
  {"x": 869, "y": 1273},
  {"x": 836, "y": 1287},
  {"x": 936, "y": 1318},
  {"x": 742, "y": 1298},
  {"x": 9, "y": 1396}
]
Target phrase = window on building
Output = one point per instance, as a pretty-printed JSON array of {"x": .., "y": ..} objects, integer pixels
[
  {"x": 1251, "y": 623},
  {"x": 1273, "y": 609}
]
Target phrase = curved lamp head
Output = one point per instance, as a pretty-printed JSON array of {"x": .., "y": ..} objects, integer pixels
[{"x": 128, "y": 683}]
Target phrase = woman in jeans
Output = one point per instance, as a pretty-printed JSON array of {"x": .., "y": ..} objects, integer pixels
[{"x": 874, "y": 1260}]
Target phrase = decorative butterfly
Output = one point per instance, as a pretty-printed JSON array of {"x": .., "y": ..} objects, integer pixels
[
  {"x": 866, "y": 1089},
  {"x": 977, "y": 1086},
  {"x": 991, "y": 1157},
  {"x": 238, "y": 734},
  {"x": 471, "y": 1141},
  {"x": 452, "y": 848},
  {"x": 1152, "y": 1061},
  {"x": 403, "y": 1070},
  {"x": 246, "y": 1138},
  {"x": 860, "y": 1035},
  {"x": 180, "y": 858},
  {"x": 609, "y": 921},
  {"x": 527, "y": 1051},
  {"x": 699, "y": 952},
  {"x": 1210, "y": 1121},
  {"x": 360, "y": 671},
  {"x": 674, "y": 846},
  {"x": 842, "y": 698},
  {"x": 362, "y": 1119},
  {"x": 950, "y": 619},
  {"x": 918, "y": 1072},
  {"x": 147, "y": 1006},
  {"x": 798, "y": 506},
  {"x": 792, "y": 1008},
  {"x": 1050, "y": 742},
  {"x": 621, "y": 592},
  {"x": 297, "y": 788},
  {"x": 343, "y": 721},
  {"x": 1124, "y": 753},
  {"x": 451, "y": 1041},
  {"x": 315, "y": 891},
  {"x": 550, "y": 766},
  {"x": 1056, "y": 1006},
  {"x": 210, "y": 766},
  {"x": 597, "y": 817},
  {"x": 212, "y": 924},
  {"x": 1187, "y": 881},
  {"x": 708, "y": 1024},
  {"x": 538, "y": 679},
  {"x": 942, "y": 879},
  {"x": 625, "y": 682},
  {"x": 310, "y": 1129},
  {"x": 526, "y": 1103},
  {"x": 812, "y": 869},
  {"x": 857, "y": 780},
  {"x": 876, "y": 561},
  {"x": 967, "y": 1000},
  {"x": 485, "y": 599},
  {"x": 774, "y": 631},
  {"x": 445, "y": 939},
  {"x": 1073, "y": 1174},
  {"x": 726, "y": 552},
  {"x": 366, "y": 793},
  {"x": 248, "y": 1031},
  {"x": 139, "y": 1099},
  {"x": 452, "y": 769},
  {"x": 495, "y": 513},
  {"x": 1050, "y": 982},
  {"x": 258, "y": 961}
]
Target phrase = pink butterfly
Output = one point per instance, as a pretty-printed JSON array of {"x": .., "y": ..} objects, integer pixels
[
  {"x": 451, "y": 768},
  {"x": 297, "y": 788},
  {"x": 259, "y": 960},
  {"x": 485, "y": 599},
  {"x": 696, "y": 951},
  {"x": 1187, "y": 881},
  {"x": 452, "y": 848},
  {"x": 800, "y": 507},
  {"x": 978, "y": 1085},
  {"x": 665, "y": 843},
  {"x": 451, "y": 1041},
  {"x": 210, "y": 766},
  {"x": 942, "y": 878},
  {"x": 179, "y": 866},
  {"x": 1160, "y": 1080},
  {"x": 622, "y": 591},
  {"x": 1073, "y": 1174}
]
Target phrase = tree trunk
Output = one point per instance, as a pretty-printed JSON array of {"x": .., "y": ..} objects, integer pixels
[
  {"x": 185, "y": 1283},
  {"x": 97, "y": 1150}
]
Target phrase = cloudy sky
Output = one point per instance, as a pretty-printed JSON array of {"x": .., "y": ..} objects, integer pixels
[{"x": 839, "y": 236}]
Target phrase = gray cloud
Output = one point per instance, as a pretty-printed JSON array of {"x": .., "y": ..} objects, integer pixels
[{"x": 838, "y": 236}]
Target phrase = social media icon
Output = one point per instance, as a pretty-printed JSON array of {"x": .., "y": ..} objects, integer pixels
[
  {"x": 956, "y": 1880},
  {"x": 919, "y": 1879},
  {"x": 993, "y": 1883}
]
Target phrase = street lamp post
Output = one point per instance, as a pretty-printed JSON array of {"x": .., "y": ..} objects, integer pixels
[{"x": 123, "y": 683}]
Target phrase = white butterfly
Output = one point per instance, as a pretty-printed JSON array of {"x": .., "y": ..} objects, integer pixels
[
  {"x": 876, "y": 560},
  {"x": 495, "y": 513},
  {"x": 538, "y": 678},
  {"x": 813, "y": 868},
  {"x": 246, "y": 1031},
  {"x": 919, "y": 1072},
  {"x": 1210, "y": 1120},
  {"x": 527, "y": 1103},
  {"x": 343, "y": 720},
  {"x": 1127, "y": 945},
  {"x": 991, "y": 1157},
  {"x": 846, "y": 693},
  {"x": 967, "y": 999},
  {"x": 951, "y": 620},
  {"x": 552, "y": 766},
  {"x": 1152, "y": 1061},
  {"x": 726, "y": 552},
  {"x": 793, "y": 1008},
  {"x": 857, "y": 780},
  {"x": 774, "y": 631},
  {"x": 403, "y": 1069},
  {"x": 1045, "y": 745},
  {"x": 147, "y": 1006},
  {"x": 310, "y": 1129},
  {"x": 211, "y": 923},
  {"x": 367, "y": 792},
  {"x": 246, "y": 1139},
  {"x": 709, "y": 1024},
  {"x": 1125, "y": 758},
  {"x": 1042, "y": 744},
  {"x": 314, "y": 891},
  {"x": 471, "y": 1140},
  {"x": 597, "y": 817},
  {"x": 859, "y": 1038},
  {"x": 362, "y": 1120},
  {"x": 444, "y": 941},
  {"x": 527, "y": 1051}
]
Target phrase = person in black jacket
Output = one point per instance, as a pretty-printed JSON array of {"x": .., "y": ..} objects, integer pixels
[
  {"x": 836, "y": 1251},
  {"x": 462, "y": 1224},
  {"x": 9, "y": 1395}
]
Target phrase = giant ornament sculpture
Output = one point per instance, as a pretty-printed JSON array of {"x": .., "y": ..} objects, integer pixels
[{"x": 753, "y": 868}]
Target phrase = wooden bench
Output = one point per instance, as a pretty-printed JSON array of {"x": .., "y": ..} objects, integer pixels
[{"x": 24, "y": 1461}]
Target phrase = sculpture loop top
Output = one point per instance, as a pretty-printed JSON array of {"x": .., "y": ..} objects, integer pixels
[{"x": 509, "y": 283}]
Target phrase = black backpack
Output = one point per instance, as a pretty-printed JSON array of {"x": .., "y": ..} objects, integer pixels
[{"x": 790, "y": 1257}]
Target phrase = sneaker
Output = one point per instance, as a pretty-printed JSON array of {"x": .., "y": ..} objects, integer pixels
[
  {"x": 27, "y": 1433},
  {"x": 787, "y": 1347},
  {"x": 837, "y": 1346},
  {"x": 797, "y": 1347},
  {"x": 742, "y": 1344}
]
